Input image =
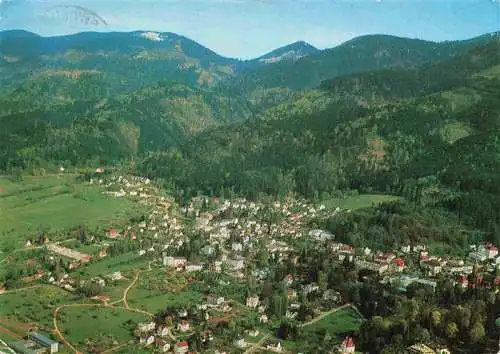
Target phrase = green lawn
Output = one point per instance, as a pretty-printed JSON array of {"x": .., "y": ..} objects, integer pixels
[
  {"x": 153, "y": 302},
  {"x": 92, "y": 249},
  {"x": 359, "y": 202},
  {"x": 124, "y": 262},
  {"x": 105, "y": 327},
  {"x": 34, "y": 305},
  {"x": 115, "y": 292},
  {"x": 342, "y": 321},
  {"x": 55, "y": 204}
]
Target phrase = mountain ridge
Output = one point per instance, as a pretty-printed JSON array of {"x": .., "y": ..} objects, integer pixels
[{"x": 18, "y": 33}]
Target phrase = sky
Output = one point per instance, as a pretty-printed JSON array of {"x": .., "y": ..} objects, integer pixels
[{"x": 250, "y": 28}]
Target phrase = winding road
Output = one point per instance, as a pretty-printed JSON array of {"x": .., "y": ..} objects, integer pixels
[
  {"x": 126, "y": 307},
  {"x": 125, "y": 293}
]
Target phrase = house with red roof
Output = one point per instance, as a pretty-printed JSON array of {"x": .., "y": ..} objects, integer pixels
[
  {"x": 463, "y": 281},
  {"x": 398, "y": 264},
  {"x": 288, "y": 279},
  {"x": 424, "y": 255},
  {"x": 181, "y": 347},
  {"x": 384, "y": 257},
  {"x": 112, "y": 233},
  {"x": 348, "y": 346}
]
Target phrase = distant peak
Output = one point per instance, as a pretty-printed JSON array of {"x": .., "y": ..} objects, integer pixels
[{"x": 293, "y": 51}]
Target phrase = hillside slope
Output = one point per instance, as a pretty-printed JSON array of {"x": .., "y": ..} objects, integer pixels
[
  {"x": 127, "y": 60},
  {"x": 361, "y": 54},
  {"x": 69, "y": 124},
  {"x": 433, "y": 139}
]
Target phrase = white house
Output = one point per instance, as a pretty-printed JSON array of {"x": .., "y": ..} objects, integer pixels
[
  {"x": 237, "y": 247},
  {"x": 162, "y": 345},
  {"x": 147, "y": 340},
  {"x": 194, "y": 268},
  {"x": 174, "y": 262},
  {"x": 237, "y": 263},
  {"x": 489, "y": 250},
  {"x": 240, "y": 342},
  {"x": 252, "y": 301},
  {"x": 146, "y": 326}
]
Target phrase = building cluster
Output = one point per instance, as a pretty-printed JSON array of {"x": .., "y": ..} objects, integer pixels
[
  {"x": 235, "y": 233},
  {"x": 36, "y": 343}
]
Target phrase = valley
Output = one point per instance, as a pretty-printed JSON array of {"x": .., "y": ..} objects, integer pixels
[{"x": 158, "y": 197}]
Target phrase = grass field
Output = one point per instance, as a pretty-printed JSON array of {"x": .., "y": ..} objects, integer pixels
[
  {"x": 89, "y": 328},
  {"x": 345, "y": 320},
  {"x": 34, "y": 305},
  {"x": 153, "y": 302},
  {"x": 55, "y": 204},
  {"x": 160, "y": 281},
  {"x": 91, "y": 250},
  {"x": 361, "y": 201},
  {"x": 124, "y": 262}
]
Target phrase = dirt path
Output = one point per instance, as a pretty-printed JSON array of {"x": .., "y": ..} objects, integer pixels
[
  {"x": 58, "y": 332},
  {"x": 67, "y": 343},
  {"x": 257, "y": 345},
  {"x": 325, "y": 314},
  {"x": 20, "y": 289},
  {"x": 115, "y": 348},
  {"x": 125, "y": 293},
  {"x": 10, "y": 333}
]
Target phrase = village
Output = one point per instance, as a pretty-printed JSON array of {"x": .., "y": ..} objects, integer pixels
[{"x": 239, "y": 244}]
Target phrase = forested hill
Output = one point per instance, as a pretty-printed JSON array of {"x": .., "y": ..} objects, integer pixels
[
  {"x": 90, "y": 98},
  {"x": 361, "y": 54},
  {"x": 126, "y": 60},
  {"x": 439, "y": 148},
  {"x": 74, "y": 122}
]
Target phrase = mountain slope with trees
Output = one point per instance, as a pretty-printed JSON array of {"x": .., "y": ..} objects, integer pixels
[
  {"x": 72, "y": 124},
  {"x": 439, "y": 148}
]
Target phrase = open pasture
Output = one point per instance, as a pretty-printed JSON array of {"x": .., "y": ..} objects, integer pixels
[{"x": 54, "y": 204}]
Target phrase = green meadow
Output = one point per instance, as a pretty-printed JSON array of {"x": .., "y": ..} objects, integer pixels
[
  {"x": 360, "y": 201},
  {"x": 54, "y": 204},
  {"x": 34, "y": 305},
  {"x": 339, "y": 322},
  {"x": 98, "y": 328}
]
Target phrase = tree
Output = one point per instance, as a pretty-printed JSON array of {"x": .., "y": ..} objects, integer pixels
[
  {"x": 322, "y": 281},
  {"x": 436, "y": 319},
  {"x": 451, "y": 331},
  {"x": 477, "y": 333},
  {"x": 288, "y": 330},
  {"x": 90, "y": 289}
]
